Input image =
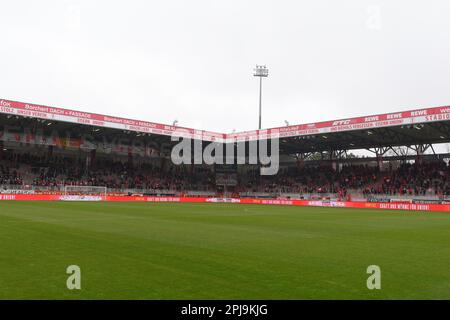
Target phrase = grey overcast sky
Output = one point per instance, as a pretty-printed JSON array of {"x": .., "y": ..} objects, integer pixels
[{"x": 193, "y": 60}]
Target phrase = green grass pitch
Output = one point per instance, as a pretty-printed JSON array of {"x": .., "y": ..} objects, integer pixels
[{"x": 220, "y": 251}]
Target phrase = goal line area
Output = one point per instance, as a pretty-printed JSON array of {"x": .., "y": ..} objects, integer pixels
[{"x": 85, "y": 190}]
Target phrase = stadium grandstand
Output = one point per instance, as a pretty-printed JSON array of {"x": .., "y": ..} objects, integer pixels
[{"x": 378, "y": 158}]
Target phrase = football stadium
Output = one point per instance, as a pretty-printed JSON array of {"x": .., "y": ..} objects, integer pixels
[{"x": 104, "y": 194}]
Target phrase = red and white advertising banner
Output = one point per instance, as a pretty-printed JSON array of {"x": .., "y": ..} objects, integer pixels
[
  {"x": 360, "y": 123},
  {"x": 93, "y": 119},
  {"x": 305, "y": 203}
]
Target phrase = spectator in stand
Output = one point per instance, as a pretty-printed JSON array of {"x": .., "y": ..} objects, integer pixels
[{"x": 56, "y": 171}]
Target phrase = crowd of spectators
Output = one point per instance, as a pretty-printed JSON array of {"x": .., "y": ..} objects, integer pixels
[
  {"x": 414, "y": 179},
  {"x": 56, "y": 171},
  {"x": 317, "y": 179},
  {"x": 431, "y": 178},
  {"x": 9, "y": 176}
]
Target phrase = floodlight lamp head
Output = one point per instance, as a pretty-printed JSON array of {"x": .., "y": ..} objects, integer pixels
[{"x": 261, "y": 71}]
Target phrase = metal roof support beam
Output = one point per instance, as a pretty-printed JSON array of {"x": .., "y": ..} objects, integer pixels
[
  {"x": 432, "y": 149},
  {"x": 420, "y": 149},
  {"x": 394, "y": 151},
  {"x": 379, "y": 151},
  {"x": 338, "y": 154},
  {"x": 302, "y": 155}
]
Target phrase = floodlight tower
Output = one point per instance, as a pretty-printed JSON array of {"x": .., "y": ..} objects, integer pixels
[{"x": 261, "y": 72}]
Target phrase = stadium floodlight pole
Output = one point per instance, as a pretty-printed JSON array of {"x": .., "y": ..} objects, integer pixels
[{"x": 261, "y": 72}]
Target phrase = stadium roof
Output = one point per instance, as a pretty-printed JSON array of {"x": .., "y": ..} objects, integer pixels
[{"x": 413, "y": 127}]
